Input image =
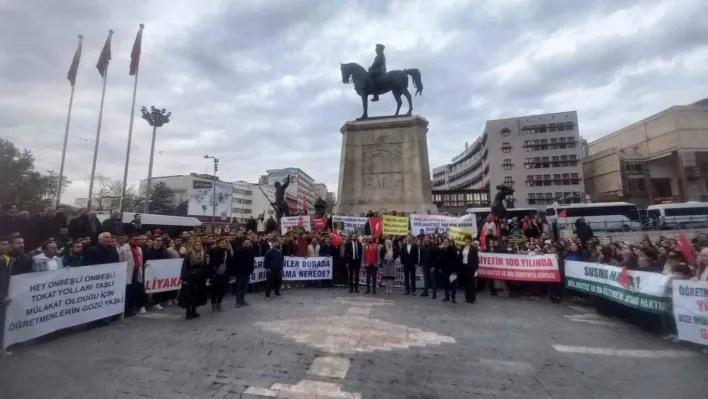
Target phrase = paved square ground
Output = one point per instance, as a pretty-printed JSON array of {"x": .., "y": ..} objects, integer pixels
[{"x": 318, "y": 343}]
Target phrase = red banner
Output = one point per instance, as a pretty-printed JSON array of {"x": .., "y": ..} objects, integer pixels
[
  {"x": 376, "y": 224},
  {"x": 319, "y": 223},
  {"x": 537, "y": 268}
]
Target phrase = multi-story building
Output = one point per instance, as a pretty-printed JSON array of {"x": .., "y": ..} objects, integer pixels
[
  {"x": 252, "y": 200},
  {"x": 302, "y": 186},
  {"x": 242, "y": 202},
  {"x": 537, "y": 155},
  {"x": 320, "y": 191},
  {"x": 663, "y": 158},
  {"x": 198, "y": 195}
]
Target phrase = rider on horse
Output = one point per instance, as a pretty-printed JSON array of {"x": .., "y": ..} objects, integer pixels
[{"x": 378, "y": 68}]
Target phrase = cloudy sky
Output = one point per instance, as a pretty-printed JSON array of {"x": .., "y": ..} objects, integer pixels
[{"x": 258, "y": 84}]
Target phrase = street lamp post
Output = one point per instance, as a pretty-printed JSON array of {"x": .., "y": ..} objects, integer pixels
[
  {"x": 156, "y": 118},
  {"x": 213, "y": 198}
]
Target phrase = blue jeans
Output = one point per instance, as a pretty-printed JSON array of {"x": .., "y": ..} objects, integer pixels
[
  {"x": 240, "y": 286},
  {"x": 428, "y": 280}
]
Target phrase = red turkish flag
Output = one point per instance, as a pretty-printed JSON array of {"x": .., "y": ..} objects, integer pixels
[
  {"x": 376, "y": 225},
  {"x": 685, "y": 246},
  {"x": 624, "y": 280},
  {"x": 562, "y": 213}
]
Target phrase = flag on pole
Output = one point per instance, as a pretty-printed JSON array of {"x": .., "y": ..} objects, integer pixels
[
  {"x": 105, "y": 56},
  {"x": 75, "y": 63},
  {"x": 135, "y": 54}
]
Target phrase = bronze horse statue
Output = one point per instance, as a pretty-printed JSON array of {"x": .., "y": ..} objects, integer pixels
[{"x": 395, "y": 81}]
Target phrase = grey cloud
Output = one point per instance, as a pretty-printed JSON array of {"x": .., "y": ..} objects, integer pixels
[{"x": 220, "y": 70}]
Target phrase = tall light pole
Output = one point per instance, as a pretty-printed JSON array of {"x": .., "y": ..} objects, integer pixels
[
  {"x": 156, "y": 118},
  {"x": 213, "y": 198}
]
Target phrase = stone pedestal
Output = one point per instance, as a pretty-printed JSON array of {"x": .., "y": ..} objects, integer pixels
[{"x": 384, "y": 166}]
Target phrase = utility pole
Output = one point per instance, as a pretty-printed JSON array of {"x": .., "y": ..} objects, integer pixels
[
  {"x": 155, "y": 118},
  {"x": 213, "y": 195}
]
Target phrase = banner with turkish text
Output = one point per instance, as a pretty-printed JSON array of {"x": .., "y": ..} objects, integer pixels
[
  {"x": 44, "y": 302},
  {"x": 640, "y": 290},
  {"x": 537, "y": 268},
  {"x": 395, "y": 225},
  {"x": 429, "y": 224},
  {"x": 690, "y": 300},
  {"x": 297, "y": 269},
  {"x": 295, "y": 223},
  {"x": 163, "y": 275},
  {"x": 319, "y": 223},
  {"x": 349, "y": 224}
]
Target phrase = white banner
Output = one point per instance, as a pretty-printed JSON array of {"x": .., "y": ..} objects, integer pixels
[
  {"x": 349, "y": 224},
  {"x": 641, "y": 290},
  {"x": 297, "y": 268},
  {"x": 691, "y": 310},
  {"x": 49, "y": 301},
  {"x": 289, "y": 222},
  {"x": 429, "y": 223},
  {"x": 163, "y": 275}
]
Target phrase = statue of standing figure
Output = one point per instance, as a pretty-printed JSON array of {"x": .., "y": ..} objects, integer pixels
[{"x": 281, "y": 207}]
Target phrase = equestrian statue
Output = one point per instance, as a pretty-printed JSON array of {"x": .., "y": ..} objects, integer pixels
[{"x": 377, "y": 81}]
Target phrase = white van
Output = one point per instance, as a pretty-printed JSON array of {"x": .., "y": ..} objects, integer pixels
[
  {"x": 679, "y": 216},
  {"x": 602, "y": 216}
]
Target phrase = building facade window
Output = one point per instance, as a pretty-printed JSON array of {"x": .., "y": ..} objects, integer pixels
[
  {"x": 506, "y": 147},
  {"x": 505, "y": 132}
]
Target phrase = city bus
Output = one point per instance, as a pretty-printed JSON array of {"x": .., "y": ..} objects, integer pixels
[
  {"x": 602, "y": 216},
  {"x": 510, "y": 212},
  {"x": 677, "y": 216}
]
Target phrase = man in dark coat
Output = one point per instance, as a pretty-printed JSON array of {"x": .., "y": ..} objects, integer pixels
[
  {"x": 114, "y": 224},
  {"x": 409, "y": 260},
  {"x": 241, "y": 267},
  {"x": 353, "y": 254},
  {"x": 103, "y": 252}
]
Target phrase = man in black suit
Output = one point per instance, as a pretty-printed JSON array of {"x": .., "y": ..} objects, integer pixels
[
  {"x": 353, "y": 254},
  {"x": 409, "y": 260}
]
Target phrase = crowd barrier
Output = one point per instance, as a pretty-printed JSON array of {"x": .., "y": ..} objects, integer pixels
[{"x": 49, "y": 301}]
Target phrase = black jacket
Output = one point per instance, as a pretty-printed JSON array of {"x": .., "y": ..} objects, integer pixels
[
  {"x": 113, "y": 226},
  {"x": 449, "y": 260},
  {"x": 154, "y": 254},
  {"x": 429, "y": 255},
  {"x": 260, "y": 248},
  {"x": 100, "y": 254},
  {"x": 241, "y": 264},
  {"x": 472, "y": 259},
  {"x": 349, "y": 252},
  {"x": 217, "y": 256},
  {"x": 409, "y": 259}
]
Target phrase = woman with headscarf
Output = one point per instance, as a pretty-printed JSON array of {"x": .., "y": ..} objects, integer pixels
[{"x": 387, "y": 256}]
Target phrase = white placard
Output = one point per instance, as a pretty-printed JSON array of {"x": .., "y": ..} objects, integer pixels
[
  {"x": 691, "y": 310},
  {"x": 163, "y": 275},
  {"x": 49, "y": 301}
]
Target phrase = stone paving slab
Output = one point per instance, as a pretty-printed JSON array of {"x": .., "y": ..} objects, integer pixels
[{"x": 405, "y": 347}]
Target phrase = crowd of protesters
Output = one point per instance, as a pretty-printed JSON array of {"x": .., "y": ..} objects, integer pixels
[{"x": 213, "y": 263}]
